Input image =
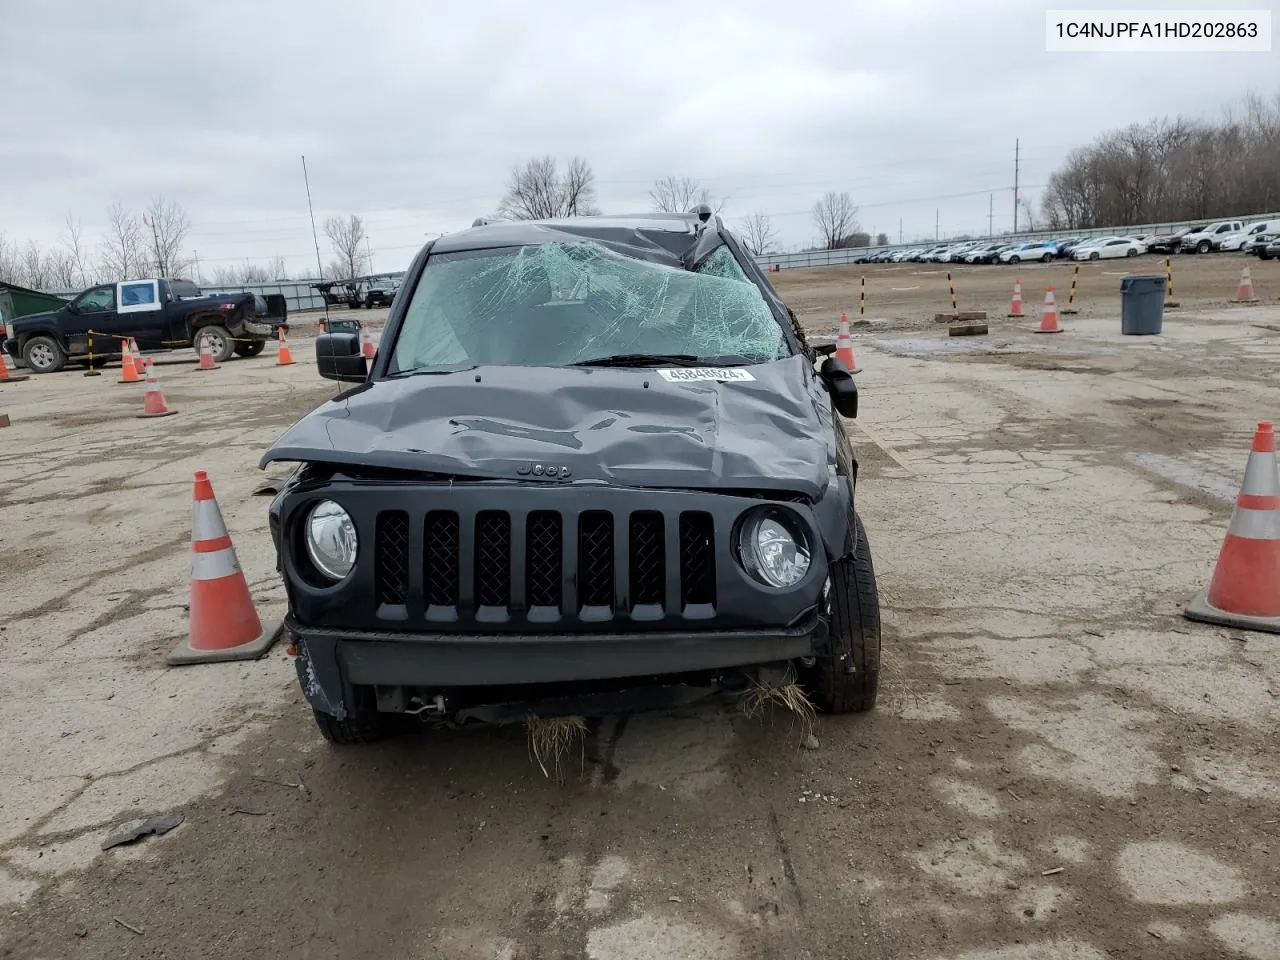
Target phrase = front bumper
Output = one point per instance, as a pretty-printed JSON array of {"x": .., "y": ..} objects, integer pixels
[{"x": 332, "y": 663}]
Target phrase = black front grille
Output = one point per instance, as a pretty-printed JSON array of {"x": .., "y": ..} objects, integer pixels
[
  {"x": 499, "y": 542},
  {"x": 391, "y": 559},
  {"x": 440, "y": 580},
  {"x": 493, "y": 558},
  {"x": 697, "y": 559},
  {"x": 595, "y": 559},
  {"x": 544, "y": 559},
  {"x": 647, "y": 558}
]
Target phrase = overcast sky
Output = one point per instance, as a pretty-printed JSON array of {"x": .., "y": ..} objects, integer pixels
[{"x": 412, "y": 113}]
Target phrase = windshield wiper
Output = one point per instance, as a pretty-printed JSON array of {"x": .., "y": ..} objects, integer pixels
[
  {"x": 638, "y": 360},
  {"x": 658, "y": 359}
]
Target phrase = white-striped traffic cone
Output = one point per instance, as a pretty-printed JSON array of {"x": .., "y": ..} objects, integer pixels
[
  {"x": 1049, "y": 314},
  {"x": 222, "y": 622},
  {"x": 1015, "y": 306},
  {"x": 153, "y": 404},
  {"x": 206, "y": 354},
  {"x": 844, "y": 346},
  {"x": 367, "y": 348},
  {"x": 1245, "y": 589},
  {"x": 1244, "y": 290}
]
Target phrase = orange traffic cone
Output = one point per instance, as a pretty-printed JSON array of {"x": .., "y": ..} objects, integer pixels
[
  {"x": 1015, "y": 307},
  {"x": 128, "y": 369},
  {"x": 1245, "y": 589},
  {"x": 844, "y": 346},
  {"x": 206, "y": 355},
  {"x": 367, "y": 348},
  {"x": 137, "y": 354},
  {"x": 283, "y": 354},
  {"x": 222, "y": 623},
  {"x": 1244, "y": 291},
  {"x": 1049, "y": 314},
  {"x": 154, "y": 404},
  {"x": 5, "y": 376}
]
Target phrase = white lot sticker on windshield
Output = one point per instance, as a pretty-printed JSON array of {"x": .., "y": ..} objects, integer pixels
[{"x": 680, "y": 374}]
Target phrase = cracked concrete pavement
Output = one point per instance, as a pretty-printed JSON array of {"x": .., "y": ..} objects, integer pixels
[{"x": 1061, "y": 767}]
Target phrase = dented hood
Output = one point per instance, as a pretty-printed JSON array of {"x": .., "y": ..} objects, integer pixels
[{"x": 623, "y": 426}]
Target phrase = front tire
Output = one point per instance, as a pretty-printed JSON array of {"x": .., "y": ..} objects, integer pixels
[
  {"x": 219, "y": 340},
  {"x": 1095, "y": 256},
  {"x": 855, "y": 637},
  {"x": 1015, "y": 259},
  {"x": 1046, "y": 258},
  {"x": 44, "y": 355},
  {"x": 360, "y": 726},
  {"x": 251, "y": 349},
  {"x": 1202, "y": 246},
  {"x": 1131, "y": 252}
]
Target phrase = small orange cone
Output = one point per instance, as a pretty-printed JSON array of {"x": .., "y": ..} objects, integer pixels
[
  {"x": 128, "y": 369},
  {"x": 367, "y": 348},
  {"x": 154, "y": 404},
  {"x": 1049, "y": 314},
  {"x": 137, "y": 355},
  {"x": 5, "y": 376},
  {"x": 283, "y": 355},
  {"x": 1245, "y": 589},
  {"x": 222, "y": 622},
  {"x": 844, "y": 346},
  {"x": 1015, "y": 307},
  {"x": 206, "y": 355},
  {"x": 1244, "y": 292}
]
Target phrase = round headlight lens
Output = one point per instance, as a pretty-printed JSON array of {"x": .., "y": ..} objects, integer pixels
[
  {"x": 331, "y": 540},
  {"x": 774, "y": 551}
]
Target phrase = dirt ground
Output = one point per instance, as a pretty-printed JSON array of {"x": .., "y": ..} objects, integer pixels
[{"x": 1061, "y": 767}]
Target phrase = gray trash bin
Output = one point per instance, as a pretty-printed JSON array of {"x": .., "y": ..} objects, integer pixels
[{"x": 1142, "y": 304}]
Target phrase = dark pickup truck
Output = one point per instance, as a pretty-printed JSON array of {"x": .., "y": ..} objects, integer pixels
[{"x": 160, "y": 314}]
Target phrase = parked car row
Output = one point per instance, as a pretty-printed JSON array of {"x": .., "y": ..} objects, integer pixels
[{"x": 1224, "y": 235}]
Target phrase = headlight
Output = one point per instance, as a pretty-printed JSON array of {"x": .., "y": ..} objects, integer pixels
[
  {"x": 773, "y": 548},
  {"x": 331, "y": 540}
]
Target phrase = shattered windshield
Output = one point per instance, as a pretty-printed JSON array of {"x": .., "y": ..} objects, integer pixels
[{"x": 570, "y": 302}]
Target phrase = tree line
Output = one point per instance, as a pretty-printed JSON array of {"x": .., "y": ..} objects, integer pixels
[
  {"x": 1169, "y": 170},
  {"x": 153, "y": 243}
]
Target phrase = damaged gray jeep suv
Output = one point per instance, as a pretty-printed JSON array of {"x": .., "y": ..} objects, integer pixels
[{"x": 593, "y": 467}]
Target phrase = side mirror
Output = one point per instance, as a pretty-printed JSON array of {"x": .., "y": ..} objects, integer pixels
[
  {"x": 840, "y": 384},
  {"x": 824, "y": 350},
  {"x": 338, "y": 357}
]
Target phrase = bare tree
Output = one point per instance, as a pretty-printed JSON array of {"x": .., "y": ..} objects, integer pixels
[
  {"x": 757, "y": 233},
  {"x": 35, "y": 266},
  {"x": 836, "y": 218},
  {"x": 347, "y": 236},
  {"x": 277, "y": 268},
  {"x": 537, "y": 191},
  {"x": 681, "y": 194},
  {"x": 75, "y": 248},
  {"x": 169, "y": 226},
  {"x": 10, "y": 262},
  {"x": 64, "y": 271},
  {"x": 122, "y": 256},
  {"x": 882, "y": 239}
]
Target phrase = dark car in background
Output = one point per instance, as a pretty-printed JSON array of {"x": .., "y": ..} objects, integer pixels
[
  {"x": 159, "y": 314},
  {"x": 381, "y": 292}
]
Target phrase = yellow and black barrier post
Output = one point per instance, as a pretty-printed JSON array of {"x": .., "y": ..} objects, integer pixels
[
  {"x": 955, "y": 310},
  {"x": 1071, "y": 297},
  {"x": 862, "y": 301},
  {"x": 91, "y": 372},
  {"x": 1168, "y": 286}
]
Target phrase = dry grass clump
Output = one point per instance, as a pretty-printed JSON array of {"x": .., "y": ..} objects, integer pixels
[
  {"x": 789, "y": 696},
  {"x": 552, "y": 738}
]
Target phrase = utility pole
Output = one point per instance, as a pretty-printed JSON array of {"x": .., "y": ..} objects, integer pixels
[
  {"x": 161, "y": 266},
  {"x": 368, "y": 252},
  {"x": 991, "y": 214},
  {"x": 899, "y": 231},
  {"x": 195, "y": 255},
  {"x": 1017, "y": 156},
  {"x": 314, "y": 236},
  {"x": 937, "y": 220}
]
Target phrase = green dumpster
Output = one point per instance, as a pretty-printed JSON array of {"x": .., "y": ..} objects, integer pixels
[{"x": 1142, "y": 305}]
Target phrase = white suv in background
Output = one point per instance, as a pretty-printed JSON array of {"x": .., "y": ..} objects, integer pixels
[
  {"x": 1202, "y": 240},
  {"x": 1239, "y": 238}
]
